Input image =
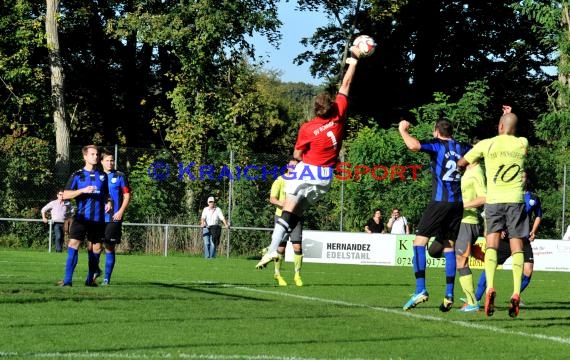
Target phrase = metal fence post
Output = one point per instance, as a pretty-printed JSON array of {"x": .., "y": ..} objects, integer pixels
[
  {"x": 341, "y": 196},
  {"x": 116, "y": 155},
  {"x": 230, "y": 199},
  {"x": 563, "y": 203},
  {"x": 166, "y": 240}
]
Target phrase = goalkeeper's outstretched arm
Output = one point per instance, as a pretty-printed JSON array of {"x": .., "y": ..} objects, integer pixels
[{"x": 349, "y": 74}]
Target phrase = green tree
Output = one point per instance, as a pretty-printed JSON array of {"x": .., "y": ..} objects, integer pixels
[
  {"x": 552, "y": 24},
  {"x": 425, "y": 47},
  {"x": 24, "y": 83}
]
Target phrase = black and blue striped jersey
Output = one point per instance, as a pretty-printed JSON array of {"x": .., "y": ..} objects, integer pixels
[
  {"x": 90, "y": 206},
  {"x": 118, "y": 186},
  {"x": 446, "y": 178}
]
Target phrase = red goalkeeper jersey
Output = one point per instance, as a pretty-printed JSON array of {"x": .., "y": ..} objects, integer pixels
[{"x": 321, "y": 139}]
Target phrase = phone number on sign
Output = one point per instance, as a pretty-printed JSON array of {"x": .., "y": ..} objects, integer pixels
[{"x": 407, "y": 261}]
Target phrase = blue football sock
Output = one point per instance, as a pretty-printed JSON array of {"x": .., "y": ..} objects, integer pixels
[
  {"x": 450, "y": 265},
  {"x": 481, "y": 286},
  {"x": 91, "y": 266},
  {"x": 109, "y": 265},
  {"x": 419, "y": 263},
  {"x": 525, "y": 282},
  {"x": 72, "y": 255},
  {"x": 97, "y": 257}
]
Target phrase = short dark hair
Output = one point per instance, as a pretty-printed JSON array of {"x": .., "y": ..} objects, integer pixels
[
  {"x": 106, "y": 152},
  {"x": 323, "y": 105},
  {"x": 377, "y": 209},
  {"x": 444, "y": 127},
  {"x": 528, "y": 183}
]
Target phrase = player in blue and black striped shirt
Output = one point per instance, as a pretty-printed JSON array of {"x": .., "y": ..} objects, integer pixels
[
  {"x": 90, "y": 190},
  {"x": 444, "y": 212},
  {"x": 120, "y": 193}
]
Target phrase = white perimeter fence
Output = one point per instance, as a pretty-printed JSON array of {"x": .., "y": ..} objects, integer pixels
[{"x": 165, "y": 229}]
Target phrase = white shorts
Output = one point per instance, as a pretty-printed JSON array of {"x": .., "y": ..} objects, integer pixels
[{"x": 308, "y": 183}]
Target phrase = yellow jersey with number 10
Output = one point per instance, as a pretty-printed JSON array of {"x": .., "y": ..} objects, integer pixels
[{"x": 504, "y": 164}]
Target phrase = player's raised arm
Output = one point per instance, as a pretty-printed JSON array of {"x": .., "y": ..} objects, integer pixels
[
  {"x": 411, "y": 142},
  {"x": 349, "y": 74}
]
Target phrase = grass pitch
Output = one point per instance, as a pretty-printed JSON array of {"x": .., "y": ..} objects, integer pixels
[{"x": 191, "y": 308}]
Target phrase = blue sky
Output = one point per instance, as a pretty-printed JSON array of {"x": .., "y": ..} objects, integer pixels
[{"x": 296, "y": 25}]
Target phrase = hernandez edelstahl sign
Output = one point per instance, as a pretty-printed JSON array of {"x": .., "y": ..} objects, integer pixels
[{"x": 335, "y": 247}]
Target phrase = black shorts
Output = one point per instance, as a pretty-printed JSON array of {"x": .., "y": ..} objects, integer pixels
[
  {"x": 90, "y": 230},
  {"x": 504, "y": 251},
  {"x": 442, "y": 219},
  {"x": 113, "y": 232}
]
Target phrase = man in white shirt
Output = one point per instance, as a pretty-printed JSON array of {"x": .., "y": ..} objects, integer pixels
[
  {"x": 211, "y": 229},
  {"x": 59, "y": 210},
  {"x": 398, "y": 225}
]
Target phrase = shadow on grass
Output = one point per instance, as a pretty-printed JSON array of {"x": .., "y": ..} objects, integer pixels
[
  {"x": 262, "y": 343},
  {"x": 200, "y": 288},
  {"x": 30, "y": 294}
]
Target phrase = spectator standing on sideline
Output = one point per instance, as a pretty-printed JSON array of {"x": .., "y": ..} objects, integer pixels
[
  {"x": 375, "y": 224},
  {"x": 90, "y": 190},
  {"x": 211, "y": 229},
  {"x": 398, "y": 224},
  {"x": 277, "y": 198},
  {"x": 318, "y": 144},
  {"x": 59, "y": 209},
  {"x": 443, "y": 214},
  {"x": 120, "y": 194},
  {"x": 505, "y": 156}
]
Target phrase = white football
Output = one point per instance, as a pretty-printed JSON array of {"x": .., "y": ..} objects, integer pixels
[{"x": 365, "y": 44}]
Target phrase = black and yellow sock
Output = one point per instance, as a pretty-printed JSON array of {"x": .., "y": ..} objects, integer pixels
[
  {"x": 278, "y": 263},
  {"x": 298, "y": 261}
]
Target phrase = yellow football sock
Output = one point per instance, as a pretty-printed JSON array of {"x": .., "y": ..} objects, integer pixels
[
  {"x": 278, "y": 263},
  {"x": 298, "y": 261},
  {"x": 518, "y": 262},
  {"x": 466, "y": 282},
  {"x": 490, "y": 266}
]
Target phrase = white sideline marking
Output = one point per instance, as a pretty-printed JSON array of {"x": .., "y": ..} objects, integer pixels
[
  {"x": 466, "y": 324},
  {"x": 165, "y": 355}
]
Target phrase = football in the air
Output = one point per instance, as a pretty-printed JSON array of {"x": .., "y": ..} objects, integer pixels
[{"x": 365, "y": 44}]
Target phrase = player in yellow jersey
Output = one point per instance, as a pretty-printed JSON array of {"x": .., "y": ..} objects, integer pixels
[
  {"x": 505, "y": 156},
  {"x": 474, "y": 192},
  {"x": 277, "y": 198}
]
